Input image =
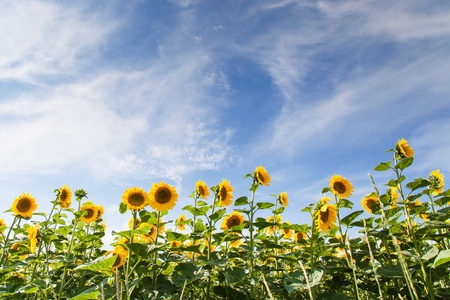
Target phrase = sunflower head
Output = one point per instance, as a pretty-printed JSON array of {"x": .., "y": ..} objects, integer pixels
[
  {"x": 122, "y": 255},
  {"x": 300, "y": 236},
  {"x": 283, "y": 199},
  {"x": 393, "y": 196},
  {"x": 367, "y": 203},
  {"x": 33, "y": 237},
  {"x": 135, "y": 199},
  {"x": 287, "y": 232},
  {"x": 175, "y": 244},
  {"x": 403, "y": 149},
  {"x": 224, "y": 193},
  {"x": 162, "y": 196},
  {"x": 179, "y": 222},
  {"x": 130, "y": 223},
  {"x": 2, "y": 223},
  {"x": 437, "y": 181},
  {"x": 326, "y": 217},
  {"x": 202, "y": 189},
  {"x": 92, "y": 213},
  {"x": 24, "y": 206},
  {"x": 341, "y": 186},
  {"x": 234, "y": 219},
  {"x": 64, "y": 197},
  {"x": 100, "y": 211},
  {"x": 261, "y": 176},
  {"x": 150, "y": 236},
  {"x": 273, "y": 228}
]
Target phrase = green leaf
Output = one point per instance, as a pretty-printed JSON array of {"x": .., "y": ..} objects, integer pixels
[
  {"x": 442, "y": 258},
  {"x": 278, "y": 211},
  {"x": 264, "y": 205},
  {"x": 417, "y": 184},
  {"x": 326, "y": 190},
  {"x": 64, "y": 231},
  {"x": 233, "y": 275},
  {"x": 403, "y": 164},
  {"x": 141, "y": 250},
  {"x": 91, "y": 293},
  {"x": 103, "y": 264},
  {"x": 197, "y": 211},
  {"x": 218, "y": 214},
  {"x": 432, "y": 252},
  {"x": 241, "y": 201},
  {"x": 391, "y": 271},
  {"x": 383, "y": 166},
  {"x": 122, "y": 208},
  {"x": 351, "y": 217}
]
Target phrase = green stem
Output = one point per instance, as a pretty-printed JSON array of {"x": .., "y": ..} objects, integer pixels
[
  {"x": 5, "y": 244},
  {"x": 372, "y": 260}
]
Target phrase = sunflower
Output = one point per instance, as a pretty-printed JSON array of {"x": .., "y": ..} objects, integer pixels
[
  {"x": 100, "y": 211},
  {"x": 326, "y": 217},
  {"x": 393, "y": 196},
  {"x": 403, "y": 149},
  {"x": 235, "y": 243},
  {"x": 175, "y": 244},
  {"x": 103, "y": 225},
  {"x": 2, "y": 223},
  {"x": 162, "y": 196},
  {"x": 287, "y": 232},
  {"x": 122, "y": 255},
  {"x": 130, "y": 223},
  {"x": 367, "y": 203},
  {"x": 225, "y": 190},
  {"x": 271, "y": 229},
  {"x": 202, "y": 189},
  {"x": 92, "y": 213},
  {"x": 283, "y": 199},
  {"x": 33, "y": 237},
  {"x": 234, "y": 219},
  {"x": 24, "y": 206},
  {"x": 151, "y": 234},
  {"x": 261, "y": 176},
  {"x": 65, "y": 197},
  {"x": 180, "y": 220},
  {"x": 300, "y": 236},
  {"x": 341, "y": 186},
  {"x": 135, "y": 199},
  {"x": 437, "y": 181}
]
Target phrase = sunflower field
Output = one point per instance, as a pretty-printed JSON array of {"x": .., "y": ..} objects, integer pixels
[{"x": 399, "y": 251}]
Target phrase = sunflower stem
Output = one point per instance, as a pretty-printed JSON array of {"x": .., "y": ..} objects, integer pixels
[
  {"x": 372, "y": 259},
  {"x": 5, "y": 244},
  {"x": 156, "y": 252},
  {"x": 127, "y": 271}
]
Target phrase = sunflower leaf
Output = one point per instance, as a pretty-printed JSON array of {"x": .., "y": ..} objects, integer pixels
[
  {"x": 326, "y": 190},
  {"x": 403, "y": 164},
  {"x": 122, "y": 208},
  {"x": 442, "y": 258},
  {"x": 264, "y": 205},
  {"x": 351, "y": 217},
  {"x": 383, "y": 166},
  {"x": 241, "y": 201},
  {"x": 218, "y": 214},
  {"x": 417, "y": 184}
]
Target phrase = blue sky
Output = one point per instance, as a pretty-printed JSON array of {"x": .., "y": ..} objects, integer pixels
[{"x": 115, "y": 94}]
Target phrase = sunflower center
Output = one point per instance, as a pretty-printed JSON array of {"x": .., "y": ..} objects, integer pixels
[
  {"x": 117, "y": 262},
  {"x": 286, "y": 230},
  {"x": 162, "y": 195},
  {"x": 339, "y": 187},
  {"x": 233, "y": 221},
  {"x": 324, "y": 215},
  {"x": 201, "y": 191},
  {"x": 370, "y": 202},
  {"x": 63, "y": 196},
  {"x": 300, "y": 236},
  {"x": 151, "y": 231},
  {"x": 90, "y": 213},
  {"x": 260, "y": 177},
  {"x": 24, "y": 205},
  {"x": 136, "y": 199},
  {"x": 223, "y": 193}
]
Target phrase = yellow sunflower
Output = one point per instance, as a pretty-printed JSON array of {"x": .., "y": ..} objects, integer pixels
[
  {"x": 24, "y": 206},
  {"x": 122, "y": 255},
  {"x": 33, "y": 237},
  {"x": 393, "y": 196},
  {"x": 130, "y": 223},
  {"x": 262, "y": 176},
  {"x": 178, "y": 222},
  {"x": 162, "y": 196},
  {"x": 65, "y": 197},
  {"x": 135, "y": 199},
  {"x": 175, "y": 244},
  {"x": 271, "y": 229},
  {"x": 202, "y": 189},
  {"x": 225, "y": 190},
  {"x": 2, "y": 223},
  {"x": 100, "y": 211},
  {"x": 403, "y": 149},
  {"x": 437, "y": 181},
  {"x": 150, "y": 236},
  {"x": 92, "y": 213},
  {"x": 300, "y": 236},
  {"x": 283, "y": 199},
  {"x": 234, "y": 219},
  {"x": 341, "y": 186},
  {"x": 287, "y": 232},
  {"x": 103, "y": 225},
  {"x": 326, "y": 217},
  {"x": 367, "y": 203}
]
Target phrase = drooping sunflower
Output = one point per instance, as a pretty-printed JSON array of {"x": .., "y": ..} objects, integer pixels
[
  {"x": 180, "y": 220},
  {"x": 367, "y": 203},
  {"x": 24, "y": 206},
  {"x": 273, "y": 228},
  {"x": 287, "y": 232},
  {"x": 261, "y": 176},
  {"x": 403, "y": 149},
  {"x": 393, "y": 196},
  {"x": 224, "y": 192},
  {"x": 283, "y": 199},
  {"x": 341, "y": 186},
  {"x": 92, "y": 213},
  {"x": 162, "y": 196},
  {"x": 135, "y": 199},
  {"x": 437, "y": 181},
  {"x": 150, "y": 236},
  {"x": 130, "y": 223},
  {"x": 33, "y": 237},
  {"x": 65, "y": 197},
  {"x": 326, "y": 217},
  {"x": 2, "y": 223},
  {"x": 234, "y": 219},
  {"x": 202, "y": 189},
  {"x": 300, "y": 236}
]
